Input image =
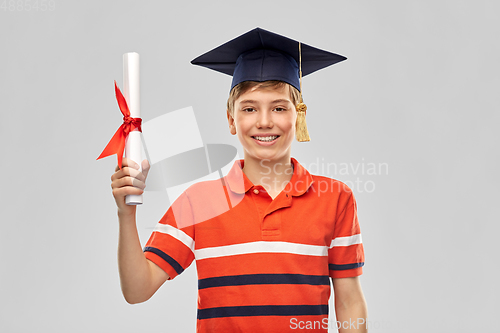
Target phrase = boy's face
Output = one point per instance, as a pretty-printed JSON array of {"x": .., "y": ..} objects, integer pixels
[{"x": 264, "y": 120}]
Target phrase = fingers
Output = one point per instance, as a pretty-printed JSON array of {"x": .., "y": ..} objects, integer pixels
[
  {"x": 130, "y": 168},
  {"x": 126, "y": 185},
  {"x": 121, "y": 192},
  {"x": 127, "y": 162},
  {"x": 128, "y": 181},
  {"x": 128, "y": 172}
]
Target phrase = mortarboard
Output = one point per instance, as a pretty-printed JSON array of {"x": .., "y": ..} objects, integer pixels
[{"x": 261, "y": 55}]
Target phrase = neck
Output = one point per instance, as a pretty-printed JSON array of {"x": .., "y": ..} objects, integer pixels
[{"x": 273, "y": 175}]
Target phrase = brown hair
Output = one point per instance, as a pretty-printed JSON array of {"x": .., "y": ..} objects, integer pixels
[{"x": 244, "y": 86}]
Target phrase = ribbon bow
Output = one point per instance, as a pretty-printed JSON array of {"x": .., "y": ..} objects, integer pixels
[{"x": 117, "y": 143}]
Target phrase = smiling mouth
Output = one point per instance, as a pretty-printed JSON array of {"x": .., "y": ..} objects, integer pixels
[{"x": 266, "y": 138}]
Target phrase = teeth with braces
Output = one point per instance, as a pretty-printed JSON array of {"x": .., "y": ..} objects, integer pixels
[{"x": 266, "y": 138}]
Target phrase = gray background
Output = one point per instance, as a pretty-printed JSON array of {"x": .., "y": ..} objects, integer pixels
[{"x": 419, "y": 93}]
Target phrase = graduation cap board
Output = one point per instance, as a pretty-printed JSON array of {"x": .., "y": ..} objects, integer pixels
[{"x": 261, "y": 55}]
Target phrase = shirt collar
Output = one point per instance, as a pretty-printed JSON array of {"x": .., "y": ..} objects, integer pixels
[{"x": 300, "y": 182}]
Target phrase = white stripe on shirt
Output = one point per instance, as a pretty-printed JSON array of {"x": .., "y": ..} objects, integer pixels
[
  {"x": 346, "y": 241},
  {"x": 180, "y": 235},
  {"x": 260, "y": 247}
]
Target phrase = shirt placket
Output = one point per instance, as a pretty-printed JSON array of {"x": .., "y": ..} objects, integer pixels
[{"x": 269, "y": 211}]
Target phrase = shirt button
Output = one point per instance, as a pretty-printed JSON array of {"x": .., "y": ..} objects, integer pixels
[{"x": 256, "y": 191}]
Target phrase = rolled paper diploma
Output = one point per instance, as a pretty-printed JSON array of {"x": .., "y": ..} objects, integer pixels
[{"x": 131, "y": 91}]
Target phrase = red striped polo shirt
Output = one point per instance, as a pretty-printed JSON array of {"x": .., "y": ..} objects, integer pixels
[{"x": 263, "y": 265}]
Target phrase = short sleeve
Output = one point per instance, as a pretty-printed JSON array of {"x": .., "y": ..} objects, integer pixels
[
  {"x": 171, "y": 245},
  {"x": 346, "y": 255}
]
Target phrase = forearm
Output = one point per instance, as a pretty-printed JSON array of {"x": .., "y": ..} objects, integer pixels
[
  {"x": 351, "y": 316},
  {"x": 134, "y": 268}
]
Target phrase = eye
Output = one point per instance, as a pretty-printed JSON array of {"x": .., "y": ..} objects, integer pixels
[
  {"x": 279, "y": 109},
  {"x": 249, "y": 109}
]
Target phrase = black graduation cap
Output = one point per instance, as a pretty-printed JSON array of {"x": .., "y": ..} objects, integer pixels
[{"x": 261, "y": 55}]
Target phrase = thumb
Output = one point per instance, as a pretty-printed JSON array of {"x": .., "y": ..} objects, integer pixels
[{"x": 145, "y": 167}]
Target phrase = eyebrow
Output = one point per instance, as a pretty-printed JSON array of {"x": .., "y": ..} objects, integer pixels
[
  {"x": 281, "y": 101},
  {"x": 248, "y": 101}
]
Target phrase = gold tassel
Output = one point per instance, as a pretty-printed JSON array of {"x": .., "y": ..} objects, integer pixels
[{"x": 301, "y": 132}]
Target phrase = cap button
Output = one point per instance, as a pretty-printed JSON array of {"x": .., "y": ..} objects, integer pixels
[{"x": 256, "y": 191}]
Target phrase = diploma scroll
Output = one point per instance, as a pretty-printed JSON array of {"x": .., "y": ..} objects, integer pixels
[{"x": 131, "y": 92}]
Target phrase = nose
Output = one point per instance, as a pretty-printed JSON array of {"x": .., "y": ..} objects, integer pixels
[{"x": 265, "y": 119}]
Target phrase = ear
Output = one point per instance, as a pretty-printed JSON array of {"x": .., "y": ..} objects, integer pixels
[{"x": 230, "y": 121}]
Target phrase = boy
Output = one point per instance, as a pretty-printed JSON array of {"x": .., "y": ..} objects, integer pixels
[{"x": 268, "y": 236}]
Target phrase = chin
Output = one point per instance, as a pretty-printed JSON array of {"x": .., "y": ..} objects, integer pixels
[{"x": 271, "y": 156}]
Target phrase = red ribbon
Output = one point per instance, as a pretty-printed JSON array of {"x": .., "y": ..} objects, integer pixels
[{"x": 117, "y": 143}]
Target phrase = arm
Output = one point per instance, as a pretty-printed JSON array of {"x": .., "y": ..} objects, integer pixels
[
  {"x": 139, "y": 277},
  {"x": 350, "y": 305}
]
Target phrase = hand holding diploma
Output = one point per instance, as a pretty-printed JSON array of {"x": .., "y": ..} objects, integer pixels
[{"x": 128, "y": 180}]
